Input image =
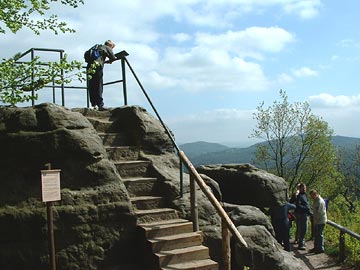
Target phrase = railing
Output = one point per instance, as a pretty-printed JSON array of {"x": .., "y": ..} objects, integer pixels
[
  {"x": 62, "y": 87},
  {"x": 227, "y": 225},
  {"x": 343, "y": 231}
]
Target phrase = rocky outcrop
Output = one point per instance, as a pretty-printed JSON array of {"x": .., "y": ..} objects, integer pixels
[
  {"x": 94, "y": 221},
  {"x": 264, "y": 252},
  {"x": 94, "y": 218},
  {"x": 244, "y": 184}
]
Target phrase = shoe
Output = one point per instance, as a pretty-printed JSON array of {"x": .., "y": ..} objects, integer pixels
[
  {"x": 102, "y": 108},
  {"x": 313, "y": 250},
  {"x": 94, "y": 108},
  {"x": 319, "y": 251},
  {"x": 301, "y": 248}
]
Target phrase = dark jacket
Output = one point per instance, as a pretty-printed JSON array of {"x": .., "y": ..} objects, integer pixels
[
  {"x": 302, "y": 204},
  {"x": 106, "y": 52}
]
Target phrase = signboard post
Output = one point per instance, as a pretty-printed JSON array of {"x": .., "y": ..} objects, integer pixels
[{"x": 50, "y": 186}]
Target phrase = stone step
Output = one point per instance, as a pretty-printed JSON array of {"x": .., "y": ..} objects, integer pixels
[
  {"x": 166, "y": 227},
  {"x": 116, "y": 139},
  {"x": 182, "y": 255},
  {"x": 147, "y": 202},
  {"x": 133, "y": 168},
  {"x": 193, "y": 265},
  {"x": 151, "y": 215},
  {"x": 88, "y": 112},
  {"x": 118, "y": 153},
  {"x": 140, "y": 186},
  {"x": 175, "y": 241},
  {"x": 101, "y": 124}
]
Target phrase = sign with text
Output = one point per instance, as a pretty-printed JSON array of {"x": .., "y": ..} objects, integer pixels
[{"x": 50, "y": 185}]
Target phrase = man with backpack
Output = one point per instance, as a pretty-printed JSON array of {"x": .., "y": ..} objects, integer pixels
[
  {"x": 95, "y": 57},
  {"x": 302, "y": 212}
]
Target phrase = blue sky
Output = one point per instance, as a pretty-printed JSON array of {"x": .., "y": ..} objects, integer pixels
[{"x": 208, "y": 64}]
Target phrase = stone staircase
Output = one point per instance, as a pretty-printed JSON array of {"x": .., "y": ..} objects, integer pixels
[{"x": 168, "y": 242}]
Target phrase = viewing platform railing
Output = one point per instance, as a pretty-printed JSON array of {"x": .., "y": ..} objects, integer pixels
[{"x": 342, "y": 231}]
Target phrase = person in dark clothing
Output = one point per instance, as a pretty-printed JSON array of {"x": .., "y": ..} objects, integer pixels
[
  {"x": 95, "y": 70},
  {"x": 293, "y": 201},
  {"x": 281, "y": 224},
  {"x": 302, "y": 212}
]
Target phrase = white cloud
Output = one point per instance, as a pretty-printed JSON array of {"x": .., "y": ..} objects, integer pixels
[
  {"x": 305, "y": 72},
  {"x": 306, "y": 9},
  {"x": 222, "y": 126},
  {"x": 325, "y": 100},
  {"x": 251, "y": 42},
  {"x": 284, "y": 78},
  {"x": 181, "y": 37},
  {"x": 341, "y": 112}
]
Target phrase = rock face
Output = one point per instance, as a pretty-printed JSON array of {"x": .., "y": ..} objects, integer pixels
[
  {"x": 244, "y": 184},
  {"x": 265, "y": 252},
  {"x": 93, "y": 220}
]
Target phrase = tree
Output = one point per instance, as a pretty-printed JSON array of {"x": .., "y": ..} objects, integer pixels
[
  {"x": 16, "y": 14},
  {"x": 18, "y": 79},
  {"x": 297, "y": 145}
]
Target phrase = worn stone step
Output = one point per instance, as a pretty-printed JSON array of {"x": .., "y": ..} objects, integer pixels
[
  {"x": 166, "y": 227},
  {"x": 140, "y": 186},
  {"x": 193, "y": 265},
  {"x": 102, "y": 125},
  {"x": 182, "y": 255},
  {"x": 147, "y": 202},
  {"x": 133, "y": 168},
  {"x": 151, "y": 215},
  {"x": 116, "y": 139},
  {"x": 120, "y": 153},
  {"x": 175, "y": 241}
]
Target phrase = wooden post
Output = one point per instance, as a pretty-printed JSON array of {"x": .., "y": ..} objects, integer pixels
[
  {"x": 226, "y": 250},
  {"x": 50, "y": 218},
  {"x": 342, "y": 246},
  {"x": 193, "y": 204},
  {"x": 213, "y": 200}
]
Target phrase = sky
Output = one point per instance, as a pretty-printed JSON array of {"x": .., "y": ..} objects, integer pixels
[{"x": 207, "y": 65}]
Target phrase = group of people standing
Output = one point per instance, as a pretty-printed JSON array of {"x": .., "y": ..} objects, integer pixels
[{"x": 299, "y": 208}]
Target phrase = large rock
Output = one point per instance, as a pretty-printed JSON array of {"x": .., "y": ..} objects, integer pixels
[
  {"x": 94, "y": 219},
  {"x": 263, "y": 251},
  {"x": 248, "y": 215},
  {"x": 244, "y": 184}
]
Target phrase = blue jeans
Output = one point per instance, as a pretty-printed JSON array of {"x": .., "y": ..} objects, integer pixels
[
  {"x": 302, "y": 225},
  {"x": 319, "y": 237}
]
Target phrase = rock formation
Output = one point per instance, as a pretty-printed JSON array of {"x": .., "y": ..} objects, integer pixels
[
  {"x": 244, "y": 184},
  {"x": 95, "y": 224}
]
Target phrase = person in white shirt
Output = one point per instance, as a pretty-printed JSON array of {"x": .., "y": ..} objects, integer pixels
[{"x": 319, "y": 221}]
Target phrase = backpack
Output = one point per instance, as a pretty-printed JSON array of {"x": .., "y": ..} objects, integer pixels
[{"x": 92, "y": 54}]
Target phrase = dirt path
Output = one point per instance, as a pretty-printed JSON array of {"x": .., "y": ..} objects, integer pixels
[{"x": 314, "y": 261}]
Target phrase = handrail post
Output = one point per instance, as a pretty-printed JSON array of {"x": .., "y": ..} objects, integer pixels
[
  {"x": 226, "y": 250},
  {"x": 193, "y": 204},
  {"x": 342, "y": 246},
  {"x": 181, "y": 178},
  {"x": 62, "y": 84},
  {"x": 32, "y": 79},
  {"x": 124, "y": 79}
]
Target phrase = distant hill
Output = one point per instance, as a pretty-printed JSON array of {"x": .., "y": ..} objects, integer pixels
[
  {"x": 203, "y": 153},
  {"x": 201, "y": 148}
]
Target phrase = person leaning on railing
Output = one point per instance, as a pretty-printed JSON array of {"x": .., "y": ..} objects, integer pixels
[
  {"x": 319, "y": 221},
  {"x": 95, "y": 83}
]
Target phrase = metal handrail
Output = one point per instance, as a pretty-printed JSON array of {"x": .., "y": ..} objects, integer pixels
[
  {"x": 227, "y": 224},
  {"x": 342, "y": 231}
]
